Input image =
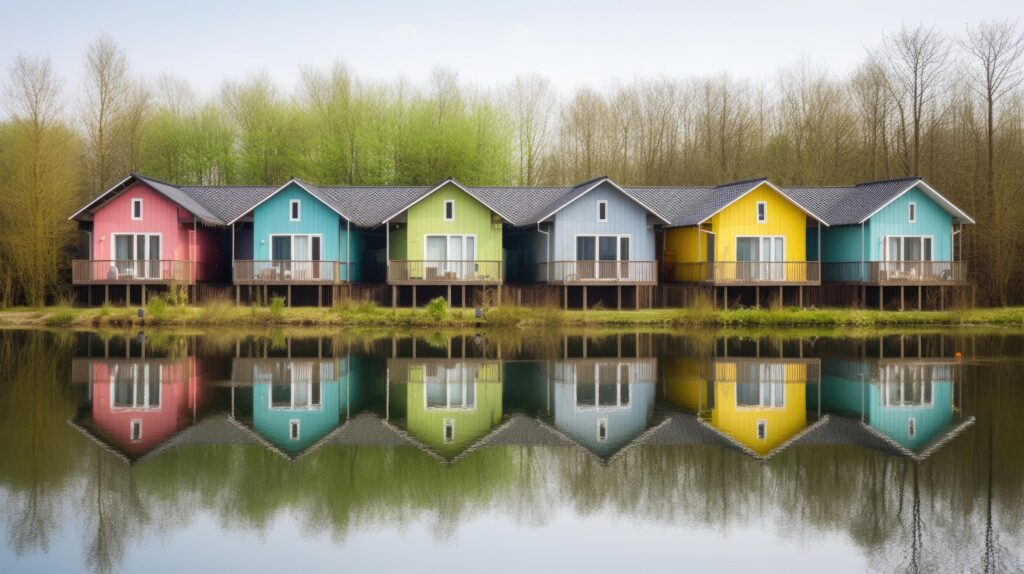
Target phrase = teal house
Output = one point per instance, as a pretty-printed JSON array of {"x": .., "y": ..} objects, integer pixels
[
  {"x": 899, "y": 232},
  {"x": 908, "y": 401},
  {"x": 300, "y": 235}
]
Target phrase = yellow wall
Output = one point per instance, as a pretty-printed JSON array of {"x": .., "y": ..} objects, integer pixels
[
  {"x": 741, "y": 422},
  {"x": 740, "y": 219}
]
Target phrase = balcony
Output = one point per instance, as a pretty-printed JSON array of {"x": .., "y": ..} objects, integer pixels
[
  {"x": 248, "y": 272},
  {"x": 598, "y": 272},
  {"x": 133, "y": 272},
  {"x": 445, "y": 272},
  {"x": 751, "y": 273},
  {"x": 897, "y": 272}
]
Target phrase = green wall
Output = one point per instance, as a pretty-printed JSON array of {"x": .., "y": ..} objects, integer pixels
[{"x": 427, "y": 218}]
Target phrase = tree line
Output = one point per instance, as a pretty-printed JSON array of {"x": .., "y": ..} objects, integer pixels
[{"x": 947, "y": 108}]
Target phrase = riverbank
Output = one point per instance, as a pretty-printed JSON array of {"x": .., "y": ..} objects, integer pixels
[{"x": 368, "y": 315}]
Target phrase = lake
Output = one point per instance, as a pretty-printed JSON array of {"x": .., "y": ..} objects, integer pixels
[{"x": 506, "y": 451}]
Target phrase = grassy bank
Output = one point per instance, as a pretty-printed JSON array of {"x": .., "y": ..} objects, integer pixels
[{"x": 368, "y": 315}]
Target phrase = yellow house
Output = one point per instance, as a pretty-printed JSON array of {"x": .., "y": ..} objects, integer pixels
[{"x": 746, "y": 233}]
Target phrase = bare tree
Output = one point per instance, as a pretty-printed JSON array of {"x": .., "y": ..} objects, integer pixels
[
  {"x": 532, "y": 103},
  {"x": 106, "y": 70}
]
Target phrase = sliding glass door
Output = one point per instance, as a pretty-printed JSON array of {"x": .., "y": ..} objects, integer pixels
[
  {"x": 450, "y": 256},
  {"x": 904, "y": 255},
  {"x": 297, "y": 257},
  {"x": 602, "y": 257},
  {"x": 760, "y": 258},
  {"x": 137, "y": 255}
]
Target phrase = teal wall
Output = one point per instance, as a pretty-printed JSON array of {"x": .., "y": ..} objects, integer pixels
[
  {"x": 272, "y": 424},
  {"x": 272, "y": 218}
]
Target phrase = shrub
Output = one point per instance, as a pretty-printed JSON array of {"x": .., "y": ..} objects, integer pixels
[
  {"x": 437, "y": 309},
  {"x": 60, "y": 317},
  {"x": 277, "y": 307},
  {"x": 156, "y": 308}
]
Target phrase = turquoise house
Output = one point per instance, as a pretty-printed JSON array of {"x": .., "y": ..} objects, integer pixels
[
  {"x": 300, "y": 234},
  {"x": 908, "y": 401},
  {"x": 899, "y": 232}
]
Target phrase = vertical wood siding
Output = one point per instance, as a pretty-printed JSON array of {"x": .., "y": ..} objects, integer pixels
[
  {"x": 894, "y": 220},
  {"x": 315, "y": 218},
  {"x": 625, "y": 217},
  {"x": 740, "y": 219},
  {"x": 159, "y": 215},
  {"x": 741, "y": 422},
  {"x": 273, "y": 424}
]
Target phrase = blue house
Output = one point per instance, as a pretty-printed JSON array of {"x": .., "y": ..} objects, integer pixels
[
  {"x": 898, "y": 233},
  {"x": 596, "y": 234}
]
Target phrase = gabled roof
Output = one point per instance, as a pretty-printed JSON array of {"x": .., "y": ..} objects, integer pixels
[
  {"x": 588, "y": 186},
  {"x": 472, "y": 192},
  {"x": 853, "y": 205},
  {"x": 688, "y": 206},
  {"x": 309, "y": 188},
  {"x": 171, "y": 192}
]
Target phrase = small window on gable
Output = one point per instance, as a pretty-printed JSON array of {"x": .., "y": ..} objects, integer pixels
[
  {"x": 912, "y": 212},
  {"x": 602, "y": 430},
  {"x": 293, "y": 210},
  {"x": 762, "y": 429},
  {"x": 911, "y": 428},
  {"x": 293, "y": 429},
  {"x": 602, "y": 211},
  {"x": 449, "y": 210},
  {"x": 762, "y": 212},
  {"x": 449, "y": 430},
  {"x": 137, "y": 209},
  {"x": 136, "y": 430}
]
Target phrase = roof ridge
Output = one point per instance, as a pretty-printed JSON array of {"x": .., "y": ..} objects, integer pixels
[
  {"x": 590, "y": 181},
  {"x": 741, "y": 181},
  {"x": 146, "y": 177},
  {"x": 891, "y": 180}
]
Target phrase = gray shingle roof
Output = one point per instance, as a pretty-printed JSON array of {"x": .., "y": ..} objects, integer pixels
[
  {"x": 852, "y": 205},
  {"x": 684, "y": 206},
  {"x": 228, "y": 202},
  {"x": 369, "y": 206},
  {"x": 522, "y": 205}
]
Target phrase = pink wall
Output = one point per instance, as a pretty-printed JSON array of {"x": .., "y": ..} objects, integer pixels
[
  {"x": 159, "y": 215},
  {"x": 178, "y": 396}
]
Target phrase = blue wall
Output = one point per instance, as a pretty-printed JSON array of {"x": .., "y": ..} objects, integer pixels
[{"x": 625, "y": 217}]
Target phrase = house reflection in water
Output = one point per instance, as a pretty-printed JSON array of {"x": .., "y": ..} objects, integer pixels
[
  {"x": 908, "y": 401},
  {"x": 599, "y": 401},
  {"x": 136, "y": 400},
  {"x": 761, "y": 404},
  {"x": 293, "y": 402},
  {"x": 447, "y": 405}
]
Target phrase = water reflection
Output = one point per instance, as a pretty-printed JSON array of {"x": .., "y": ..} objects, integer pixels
[{"x": 350, "y": 431}]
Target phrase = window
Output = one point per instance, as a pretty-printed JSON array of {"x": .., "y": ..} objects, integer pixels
[
  {"x": 912, "y": 212},
  {"x": 449, "y": 430},
  {"x": 907, "y": 248},
  {"x": 449, "y": 210},
  {"x": 762, "y": 429},
  {"x": 911, "y": 428},
  {"x": 136, "y": 209},
  {"x": 602, "y": 211},
  {"x": 293, "y": 210},
  {"x": 762, "y": 212},
  {"x": 602, "y": 430},
  {"x": 135, "y": 386},
  {"x": 136, "y": 430},
  {"x": 293, "y": 429}
]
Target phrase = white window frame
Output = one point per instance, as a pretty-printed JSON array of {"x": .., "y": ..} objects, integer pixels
[
  {"x": 466, "y": 374},
  {"x": 896, "y": 375},
  {"x": 448, "y": 202},
  {"x": 761, "y": 424},
  {"x": 757, "y": 213},
  {"x": 886, "y": 256},
  {"x": 912, "y": 212},
  {"x": 597, "y": 245},
  {"x": 603, "y": 203},
  {"x": 113, "y": 245},
  {"x": 131, "y": 430},
  {"x": 297, "y": 425},
  {"x": 142, "y": 370},
  {"x": 620, "y": 381},
  {"x": 292, "y": 246},
  {"x": 295, "y": 207},
  {"x": 445, "y": 425},
  {"x": 137, "y": 201}
]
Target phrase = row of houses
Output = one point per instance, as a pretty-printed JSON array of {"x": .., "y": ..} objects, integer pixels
[
  {"x": 447, "y": 238},
  {"x": 450, "y": 405}
]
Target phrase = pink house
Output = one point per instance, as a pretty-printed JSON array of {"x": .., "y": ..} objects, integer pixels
[{"x": 146, "y": 232}]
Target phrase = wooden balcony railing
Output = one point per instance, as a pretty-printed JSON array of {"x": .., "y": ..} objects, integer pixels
[
  {"x": 248, "y": 272},
  {"x": 598, "y": 272},
  {"x": 750, "y": 272},
  {"x": 897, "y": 272},
  {"x": 148, "y": 271},
  {"x": 445, "y": 272}
]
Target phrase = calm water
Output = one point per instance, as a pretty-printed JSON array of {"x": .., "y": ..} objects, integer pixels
[{"x": 490, "y": 453}]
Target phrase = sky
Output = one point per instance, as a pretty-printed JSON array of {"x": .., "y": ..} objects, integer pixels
[{"x": 487, "y": 43}]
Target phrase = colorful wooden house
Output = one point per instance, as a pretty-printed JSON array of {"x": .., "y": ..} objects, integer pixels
[
  {"x": 136, "y": 404},
  {"x": 743, "y": 234},
  {"x": 295, "y": 402},
  {"x": 897, "y": 233},
  {"x": 447, "y": 405},
  {"x": 144, "y": 232},
  {"x": 594, "y": 235},
  {"x": 910, "y": 403}
]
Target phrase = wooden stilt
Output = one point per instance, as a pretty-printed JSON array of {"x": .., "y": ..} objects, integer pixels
[
  {"x": 463, "y": 296},
  {"x": 801, "y": 296},
  {"x": 88, "y": 295},
  {"x": 714, "y": 297},
  {"x": 413, "y": 296},
  {"x": 903, "y": 297},
  {"x": 584, "y": 297},
  {"x": 143, "y": 289},
  {"x": 863, "y": 296},
  {"x": 757, "y": 297},
  {"x": 618, "y": 297},
  {"x": 881, "y": 298},
  {"x": 394, "y": 296},
  {"x": 726, "y": 297},
  {"x": 782, "y": 297},
  {"x": 918, "y": 297},
  {"x": 499, "y": 294},
  {"x": 942, "y": 298},
  {"x": 238, "y": 295},
  {"x": 319, "y": 295},
  {"x": 449, "y": 294},
  {"x": 289, "y": 295},
  {"x": 565, "y": 296}
]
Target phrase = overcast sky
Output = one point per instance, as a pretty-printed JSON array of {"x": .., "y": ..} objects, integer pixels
[{"x": 486, "y": 42}]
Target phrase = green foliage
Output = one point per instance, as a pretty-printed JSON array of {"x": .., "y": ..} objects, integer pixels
[
  {"x": 156, "y": 308},
  {"x": 277, "y": 307},
  {"x": 60, "y": 317},
  {"x": 437, "y": 309}
]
